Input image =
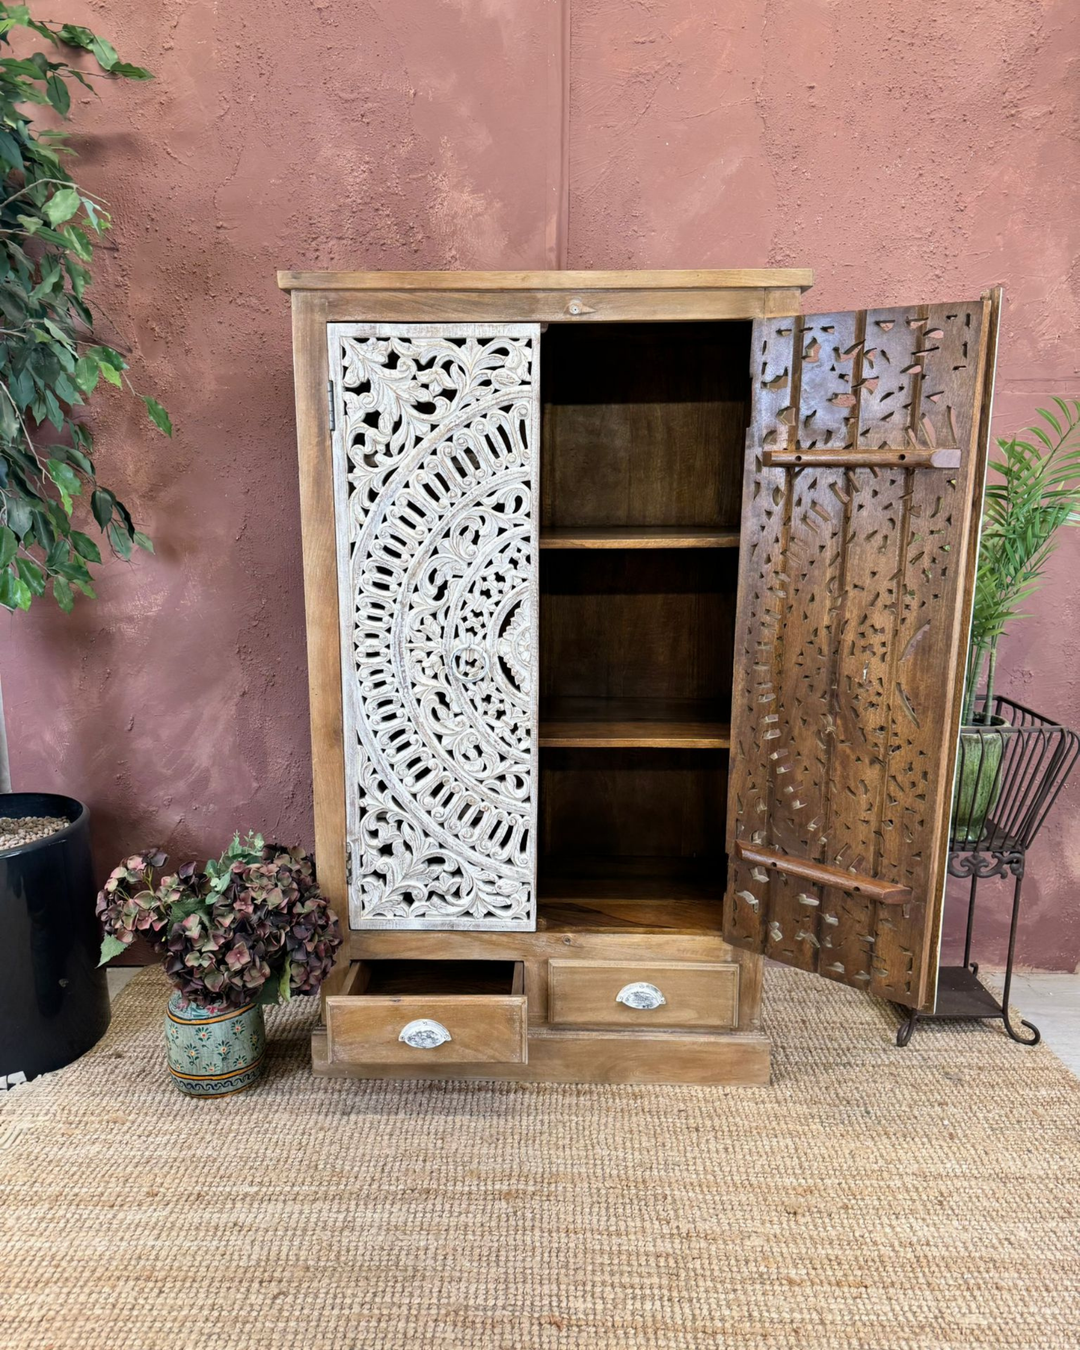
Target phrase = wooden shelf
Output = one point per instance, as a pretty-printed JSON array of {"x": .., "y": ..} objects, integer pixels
[
  {"x": 619, "y": 722},
  {"x": 639, "y": 536},
  {"x": 638, "y": 894}
]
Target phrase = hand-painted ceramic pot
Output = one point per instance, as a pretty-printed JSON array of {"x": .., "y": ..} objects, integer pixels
[
  {"x": 214, "y": 1051},
  {"x": 978, "y": 777}
]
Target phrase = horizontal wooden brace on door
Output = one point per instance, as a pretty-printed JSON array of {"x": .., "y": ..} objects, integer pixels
[
  {"x": 822, "y": 874},
  {"x": 868, "y": 459}
]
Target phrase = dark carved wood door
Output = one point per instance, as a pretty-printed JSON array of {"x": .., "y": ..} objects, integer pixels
[{"x": 864, "y": 471}]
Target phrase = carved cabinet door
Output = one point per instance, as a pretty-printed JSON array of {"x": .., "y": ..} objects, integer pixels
[
  {"x": 863, "y": 482},
  {"x": 435, "y": 444}
]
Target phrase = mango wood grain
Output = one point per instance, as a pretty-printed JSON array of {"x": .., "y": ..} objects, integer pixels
[
  {"x": 783, "y": 300},
  {"x": 484, "y": 1028},
  {"x": 929, "y": 650},
  {"x": 716, "y": 1059},
  {"x": 638, "y": 536},
  {"x": 622, "y": 802},
  {"x": 610, "y": 914},
  {"x": 563, "y": 934},
  {"x": 821, "y": 874},
  {"x": 631, "y": 895},
  {"x": 634, "y": 879},
  {"x": 644, "y": 425},
  {"x": 697, "y": 995},
  {"x": 567, "y": 939},
  {"x": 869, "y": 459},
  {"x": 543, "y": 306},
  {"x": 657, "y": 723},
  {"x": 854, "y": 583},
  {"x": 800, "y": 278},
  {"x": 995, "y": 301},
  {"x": 640, "y": 624},
  {"x": 321, "y": 604}
]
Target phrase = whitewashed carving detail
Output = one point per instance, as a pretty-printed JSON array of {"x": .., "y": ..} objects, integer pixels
[{"x": 437, "y": 428}]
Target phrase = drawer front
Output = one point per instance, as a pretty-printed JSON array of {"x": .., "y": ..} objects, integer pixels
[
  {"x": 437, "y": 1029},
  {"x": 643, "y": 994}
]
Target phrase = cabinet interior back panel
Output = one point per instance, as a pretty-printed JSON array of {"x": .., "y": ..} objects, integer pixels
[
  {"x": 632, "y": 803},
  {"x": 644, "y": 424},
  {"x": 650, "y": 624}
]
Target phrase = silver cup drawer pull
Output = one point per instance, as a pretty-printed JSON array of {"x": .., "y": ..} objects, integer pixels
[
  {"x": 640, "y": 994},
  {"x": 424, "y": 1034}
]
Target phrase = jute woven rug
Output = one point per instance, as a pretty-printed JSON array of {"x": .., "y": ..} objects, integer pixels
[{"x": 914, "y": 1199}]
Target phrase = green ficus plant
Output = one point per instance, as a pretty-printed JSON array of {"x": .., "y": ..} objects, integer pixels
[{"x": 50, "y": 359}]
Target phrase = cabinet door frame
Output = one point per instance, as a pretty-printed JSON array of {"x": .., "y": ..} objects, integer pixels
[
  {"x": 853, "y": 889},
  {"x": 994, "y": 298}
]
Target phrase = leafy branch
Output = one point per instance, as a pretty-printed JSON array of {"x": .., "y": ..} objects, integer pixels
[
  {"x": 1039, "y": 492},
  {"x": 50, "y": 359}
]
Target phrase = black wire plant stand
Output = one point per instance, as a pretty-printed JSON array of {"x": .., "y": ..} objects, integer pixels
[{"x": 1011, "y": 767}]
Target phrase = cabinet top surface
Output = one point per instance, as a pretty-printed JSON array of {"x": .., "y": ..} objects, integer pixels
[{"x": 799, "y": 278}]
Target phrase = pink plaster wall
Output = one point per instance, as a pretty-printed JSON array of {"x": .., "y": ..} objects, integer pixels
[{"x": 905, "y": 153}]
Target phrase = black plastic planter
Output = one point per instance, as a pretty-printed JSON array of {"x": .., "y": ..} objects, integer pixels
[{"x": 54, "y": 1001}]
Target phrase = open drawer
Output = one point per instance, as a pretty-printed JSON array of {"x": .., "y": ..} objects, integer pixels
[{"x": 429, "y": 1012}]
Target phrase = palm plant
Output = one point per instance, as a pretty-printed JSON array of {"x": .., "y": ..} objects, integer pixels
[{"x": 1038, "y": 492}]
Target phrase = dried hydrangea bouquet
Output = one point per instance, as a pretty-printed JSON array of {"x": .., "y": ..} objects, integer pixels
[{"x": 250, "y": 928}]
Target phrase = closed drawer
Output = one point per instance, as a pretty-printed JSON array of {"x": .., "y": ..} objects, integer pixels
[
  {"x": 641, "y": 995},
  {"x": 429, "y": 1013}
]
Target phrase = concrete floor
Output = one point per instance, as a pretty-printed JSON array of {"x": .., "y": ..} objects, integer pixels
[
  {"x": 1049, "y": 999},
  {"x": 118, "y": 976}
]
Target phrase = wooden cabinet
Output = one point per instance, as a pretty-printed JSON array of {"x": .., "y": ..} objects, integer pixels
[{"x": 637, "y": 606}]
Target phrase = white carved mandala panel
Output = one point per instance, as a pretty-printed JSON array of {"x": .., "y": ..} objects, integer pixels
[{"x": 436, "y": 432}]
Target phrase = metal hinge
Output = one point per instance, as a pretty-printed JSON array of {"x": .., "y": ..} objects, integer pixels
[
  {"x": 330, "y": 404},
  {"x": 348, "y": 865}
]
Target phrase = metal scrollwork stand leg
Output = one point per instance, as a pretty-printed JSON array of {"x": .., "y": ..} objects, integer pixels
[
  {"x": 906, "y": 1029},
  {"x": 1011, "y": 765},
  {"x": 1036, "y": 1035},
  {"x": 961, "y": 994}
]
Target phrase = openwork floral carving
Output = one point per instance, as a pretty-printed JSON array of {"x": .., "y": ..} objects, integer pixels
[{"x": 434, "y": 476}]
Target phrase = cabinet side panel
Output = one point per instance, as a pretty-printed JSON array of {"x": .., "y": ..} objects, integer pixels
[{"x": 320, "y": 594}]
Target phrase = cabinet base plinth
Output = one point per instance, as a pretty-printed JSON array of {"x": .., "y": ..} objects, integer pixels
[{"x": 736, "y": 1059}]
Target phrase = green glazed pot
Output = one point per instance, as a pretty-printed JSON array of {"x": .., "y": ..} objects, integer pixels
[
  {"x": 978, "y": 778},
  {"x": 214, "y": 1051}
]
